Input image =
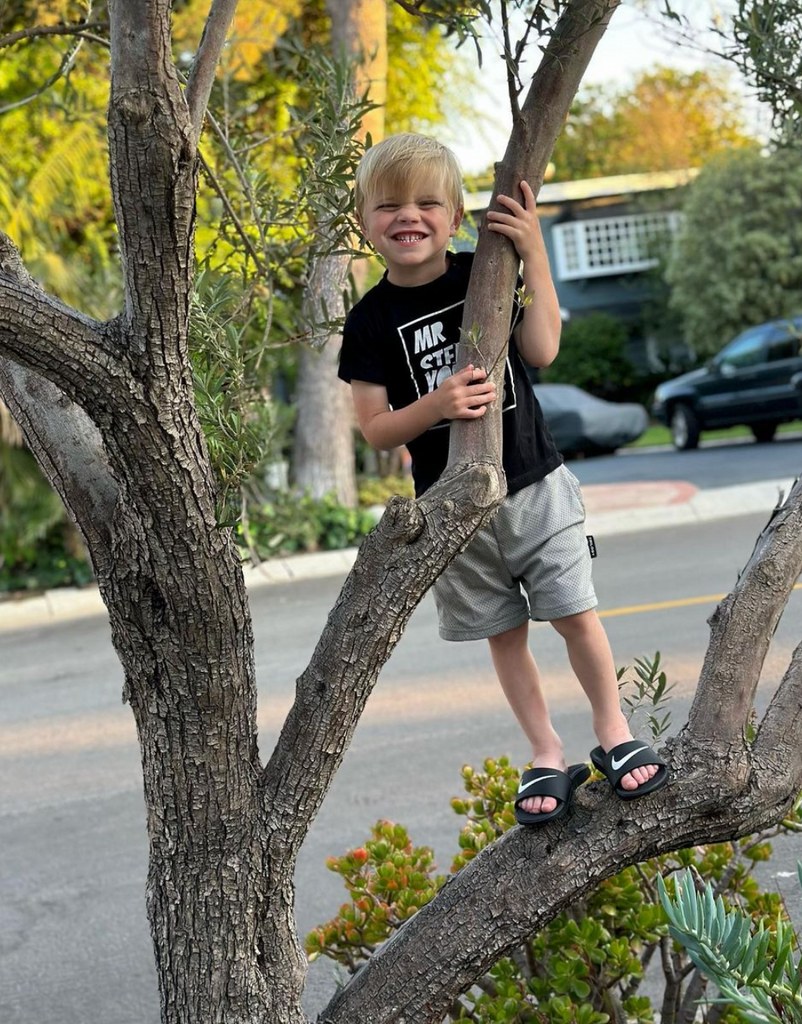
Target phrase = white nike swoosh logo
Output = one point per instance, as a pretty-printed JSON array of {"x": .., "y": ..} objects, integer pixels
[
  {"x": 615, "y": 765},
  {"x": 540, "y": 778}
]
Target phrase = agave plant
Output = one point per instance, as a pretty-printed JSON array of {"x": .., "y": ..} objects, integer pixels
[{"x": 755, "y": 969}]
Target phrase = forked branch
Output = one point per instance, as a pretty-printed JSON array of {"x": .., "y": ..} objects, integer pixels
[
  {"x": 201, "y": 78},
  {"x": 741, "y": 631}
]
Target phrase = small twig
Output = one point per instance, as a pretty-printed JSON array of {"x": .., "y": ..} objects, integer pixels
[
  {"x": 511, "y": 63},
  {"x": 63, "y": 68},
  {"x": 83, "y": 29},
  {"x": 238, "y": 225}
]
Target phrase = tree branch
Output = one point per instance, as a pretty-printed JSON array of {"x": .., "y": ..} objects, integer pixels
[
  {"x": 41, "y": 333},
  {"x": 64, "y": 66},
  {"x": 201, "y": 78},
  {"x": 260, "y": 261},
  {"x": 79, "y": 28},
  {"x": 69, "y": 449},
  {"x": 411, "y": 546},
  {"x": 488, "y": 305},
  {"x": 720, "y": 712},
  {"x": 780, "y": 734}
]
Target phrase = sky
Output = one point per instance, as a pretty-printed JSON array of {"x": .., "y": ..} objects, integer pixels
[{"x": 632, "y": 43}]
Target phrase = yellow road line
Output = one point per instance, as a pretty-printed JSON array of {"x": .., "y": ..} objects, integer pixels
[{"x": 658, "y": 606}]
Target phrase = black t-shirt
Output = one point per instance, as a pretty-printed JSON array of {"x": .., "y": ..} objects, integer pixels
[{"x": 406, "y": 340}]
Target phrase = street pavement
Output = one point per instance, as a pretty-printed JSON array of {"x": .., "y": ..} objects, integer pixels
[
  {"x": 76, "y": 848},
  {"x": 614, "y": 508}
]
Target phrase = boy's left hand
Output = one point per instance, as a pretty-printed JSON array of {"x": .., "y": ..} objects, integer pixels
[{"x": 520, "y": 225}]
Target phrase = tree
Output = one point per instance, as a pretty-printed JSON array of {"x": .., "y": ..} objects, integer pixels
[
  {"x": 668, "y": 120},
  {"x": 742, "y": 236},
  {"x": 765, "y": 46},
  {"x": 323, "y": 457},
  {"x": 107, "y": 408}
]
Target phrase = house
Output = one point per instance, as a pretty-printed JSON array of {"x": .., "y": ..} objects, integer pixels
[{"x": 603, "y": 235}]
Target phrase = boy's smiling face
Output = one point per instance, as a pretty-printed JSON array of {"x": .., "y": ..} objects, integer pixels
[{"x": 411, "y": 231}]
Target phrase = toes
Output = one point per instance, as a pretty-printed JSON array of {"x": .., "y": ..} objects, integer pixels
[
  {"x": 637, "y": 777},
  {"x": 539, "y": 805}
]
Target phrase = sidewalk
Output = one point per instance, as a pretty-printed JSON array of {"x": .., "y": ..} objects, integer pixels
[{"x": 611, "y": 509}]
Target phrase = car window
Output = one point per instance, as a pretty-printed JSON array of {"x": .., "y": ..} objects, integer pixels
[
  {"x": 746, "y": 350},
  {"x": 784, "y": 342}
]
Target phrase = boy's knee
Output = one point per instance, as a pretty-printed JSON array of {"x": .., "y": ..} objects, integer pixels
[
  {"x": 577, "y": 625},
  {"x": 510, "y": 638}
]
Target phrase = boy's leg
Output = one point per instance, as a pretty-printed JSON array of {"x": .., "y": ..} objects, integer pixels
[
  {"x": 592, "y": 661},
  {"x": 520, "y": 680}
]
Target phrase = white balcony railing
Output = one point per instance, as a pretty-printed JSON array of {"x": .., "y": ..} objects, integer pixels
[{"x": 611, "y": 245}]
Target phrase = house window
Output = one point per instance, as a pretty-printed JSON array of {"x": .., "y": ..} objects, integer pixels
[{"x": 610, "y": 245}]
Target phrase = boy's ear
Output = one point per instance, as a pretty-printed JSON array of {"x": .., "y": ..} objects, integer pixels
[
  {"x": 361, "y": 225},
  {"x": 457, "y": 219}
]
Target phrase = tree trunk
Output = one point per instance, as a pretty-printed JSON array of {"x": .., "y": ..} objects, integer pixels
[
  {"x": 323, "y": 451},
  {"x": 108, "y": 410},
  {"x": 323, "y": 443}
]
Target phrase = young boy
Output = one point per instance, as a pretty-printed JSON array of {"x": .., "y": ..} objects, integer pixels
[{"x": 399, "y": 349}]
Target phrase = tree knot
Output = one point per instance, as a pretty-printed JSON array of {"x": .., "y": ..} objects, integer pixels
[
  {"x": 11, "y": 264},
  {"x": 402, "y": 519}
]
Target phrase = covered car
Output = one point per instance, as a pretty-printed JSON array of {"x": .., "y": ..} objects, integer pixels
[{"x": 582, "y": 424}]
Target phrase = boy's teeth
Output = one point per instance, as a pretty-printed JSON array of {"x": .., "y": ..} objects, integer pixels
[{"x": 409, "y": 238}]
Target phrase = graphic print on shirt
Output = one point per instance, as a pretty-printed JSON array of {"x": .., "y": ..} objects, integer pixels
[{"x": 430, "y": 349}]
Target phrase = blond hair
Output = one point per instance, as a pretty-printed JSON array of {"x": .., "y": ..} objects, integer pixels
[{"x": 403, "y": 162}]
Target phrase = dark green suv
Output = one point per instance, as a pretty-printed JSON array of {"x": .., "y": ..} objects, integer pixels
[{"x": 756, "y": 379}]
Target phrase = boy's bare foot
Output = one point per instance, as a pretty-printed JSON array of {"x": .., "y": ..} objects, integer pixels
[
  {"x": 552, "y": 786},
  {"x": 541, "y": 804},
  {"x": 640, "y": 774},
  {"x": 631, "y": 767},
  {"x": 548, "y": 756}
]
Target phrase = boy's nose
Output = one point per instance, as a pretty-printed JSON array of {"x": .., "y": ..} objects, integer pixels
[{"x": 408, "y": 212}]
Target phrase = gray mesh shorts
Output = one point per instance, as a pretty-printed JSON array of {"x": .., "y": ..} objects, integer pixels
[{"x": 531, "y": 562}]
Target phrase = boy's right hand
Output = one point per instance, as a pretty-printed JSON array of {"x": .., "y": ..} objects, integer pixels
[{"x": 465, "y": 395}]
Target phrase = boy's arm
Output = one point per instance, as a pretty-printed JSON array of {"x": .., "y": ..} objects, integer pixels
[
  {"x": 463, "y": 395},
  {"x": 538, "y": 333}
]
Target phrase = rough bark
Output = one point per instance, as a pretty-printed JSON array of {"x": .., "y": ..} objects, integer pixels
[{"x": 108, "y": 410}]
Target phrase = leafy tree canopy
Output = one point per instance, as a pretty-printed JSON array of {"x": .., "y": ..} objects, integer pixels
[
  {"x": 742, "y": 237},
  {"x": 54, "y": 194},
  {"x": 668, "y": 120}
]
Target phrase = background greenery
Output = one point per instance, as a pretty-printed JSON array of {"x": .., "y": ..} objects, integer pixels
[{"x": 278, "y": 156}]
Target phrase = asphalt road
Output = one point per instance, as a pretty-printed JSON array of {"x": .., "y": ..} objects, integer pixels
[
  {"x": 713, "y": 464},
  {"x": 74, "y": 944}
]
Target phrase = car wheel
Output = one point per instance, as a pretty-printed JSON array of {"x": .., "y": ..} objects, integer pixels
[
  {"x": 684, "y": 428},
  {"x": 764, "y": 432}
]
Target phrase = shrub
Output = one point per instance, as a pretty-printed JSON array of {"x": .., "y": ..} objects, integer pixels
[
  {"x": 379, "y": 490},
  {"x": 593, "y": 356},
  {"x": 39, "y": 547},
  {"x": 290, "y": 524},
  {"x": 589, "y": 964},
  {"x": 51, "y": 561}
]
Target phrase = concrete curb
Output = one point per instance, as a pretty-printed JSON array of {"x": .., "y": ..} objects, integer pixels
[
  {"x": 686, "y": 505},
  {"x": 701, "y": 506}
]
